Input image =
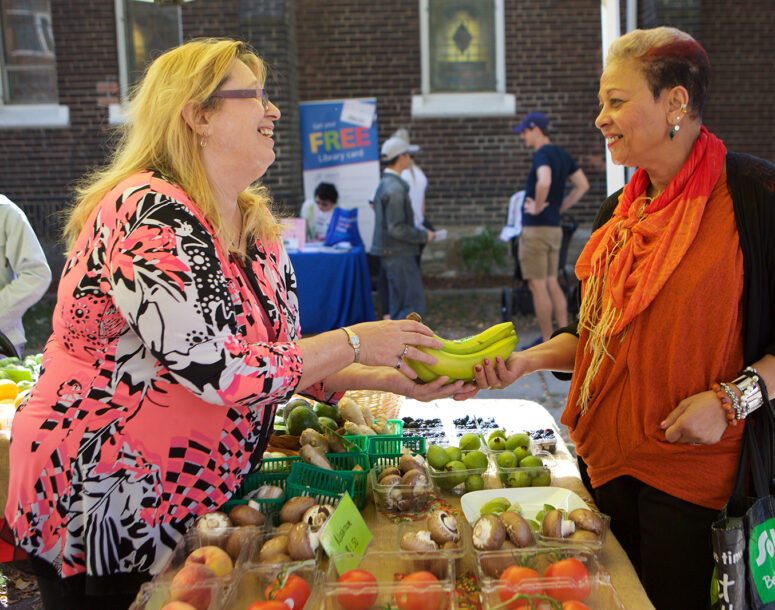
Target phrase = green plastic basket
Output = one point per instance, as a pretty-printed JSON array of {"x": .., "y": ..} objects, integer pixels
[
  {"x": 270, "y": 507},
  {"x": 345, "y": 462},
  {"x": 326, "y": 486},
  {"x": 278, "y": 465},
  {"x": 385, "y": 450},
  {"x": 358, "y": 441}
]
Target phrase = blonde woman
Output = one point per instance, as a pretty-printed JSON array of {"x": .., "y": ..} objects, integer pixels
[{"x": 175, "y": 337}]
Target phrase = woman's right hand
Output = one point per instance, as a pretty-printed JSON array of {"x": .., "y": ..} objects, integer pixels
[{"x": 387, "y": 342}]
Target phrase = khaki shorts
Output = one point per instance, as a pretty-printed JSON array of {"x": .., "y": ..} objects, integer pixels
[{"x": 539, "y": 252}]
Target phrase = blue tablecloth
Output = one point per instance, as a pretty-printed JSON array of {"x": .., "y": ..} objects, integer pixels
[{"x": 334, "y": 289}]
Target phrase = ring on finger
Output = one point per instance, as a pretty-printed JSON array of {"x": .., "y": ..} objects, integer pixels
[
  {"x": 406, "y": 351},
  {"x": 694, "y": 443},
  {"x": 399, "y": 363}
]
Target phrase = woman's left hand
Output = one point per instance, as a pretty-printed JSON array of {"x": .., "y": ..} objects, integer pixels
[
  {"x": 697, "y": 420},
  {"x": 433, "y": 390}
]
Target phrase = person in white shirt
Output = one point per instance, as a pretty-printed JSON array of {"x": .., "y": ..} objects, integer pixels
[
  {"x": 317, "y": 214},
  {"x": 24, "y": 272}
]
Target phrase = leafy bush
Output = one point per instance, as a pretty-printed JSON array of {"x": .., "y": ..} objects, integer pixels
[{"x": 480, "y": 253}]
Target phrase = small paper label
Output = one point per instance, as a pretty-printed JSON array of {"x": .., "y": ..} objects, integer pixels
[
  {"x": 345, "y": 532},
  {"x": 359, "y": 113}
]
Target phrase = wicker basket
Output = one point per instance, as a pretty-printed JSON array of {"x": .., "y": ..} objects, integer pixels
[{"x": 383, "y": 405}]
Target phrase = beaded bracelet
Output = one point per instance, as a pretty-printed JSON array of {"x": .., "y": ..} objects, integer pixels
[
  {"x": 725, "y": 404},
  {"x": 737, "y": 406}
]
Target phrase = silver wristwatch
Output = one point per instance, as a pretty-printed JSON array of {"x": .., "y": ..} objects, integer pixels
[{"x": 354, "y": 341}]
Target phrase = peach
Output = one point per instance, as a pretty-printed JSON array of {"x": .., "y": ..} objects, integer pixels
[
  {"x": 178, "y": 606},
  {"x": 188, "y": 585},
  {"x": 213, "y": 557}
]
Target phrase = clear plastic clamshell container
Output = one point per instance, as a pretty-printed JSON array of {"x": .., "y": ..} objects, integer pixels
[
  {"x": 591, "y": 540},
  {"x": 454, "y": 480},
  {"x": 154, "y": 595},
  {"x": 546, "y": 576},
  {"x": 267, "y": 582},
  {"x": 400, "y": 498},
  {"x": 420, "y": 530},
  {"x": 390, "y": 579},
  {"x": 222, "y": 550},
  {"x": 253, "y": 556}
]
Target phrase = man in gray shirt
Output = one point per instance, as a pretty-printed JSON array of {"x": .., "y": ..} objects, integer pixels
[{"x": 396, "y": 238}]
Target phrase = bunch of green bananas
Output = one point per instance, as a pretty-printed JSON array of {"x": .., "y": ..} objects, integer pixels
[{"x": 457, "y": 359}]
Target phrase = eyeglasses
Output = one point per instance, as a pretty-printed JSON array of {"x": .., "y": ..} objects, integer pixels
[{"x": 244, "y": 94}]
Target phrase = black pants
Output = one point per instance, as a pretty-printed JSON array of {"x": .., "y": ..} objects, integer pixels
[
  {"x": 666, "y": 539},
  {"x": 116, "y": 593}
]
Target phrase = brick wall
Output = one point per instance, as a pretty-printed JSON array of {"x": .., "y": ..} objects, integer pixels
[
  {"x": 473, "y": 164},
  {"x": 337, "y": 48}
]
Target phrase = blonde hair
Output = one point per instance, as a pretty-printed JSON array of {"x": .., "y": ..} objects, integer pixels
[
  {"x": 668, "y": 57},
  {"x": 156, "y": 137}
]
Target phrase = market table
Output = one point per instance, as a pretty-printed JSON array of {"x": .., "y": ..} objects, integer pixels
[
  {"x": 334, "y": 288},
  {"x": 511, "y": 414}
]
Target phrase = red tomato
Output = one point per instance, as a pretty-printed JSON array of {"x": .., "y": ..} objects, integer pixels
[
  {"x": 570, "y": 580},
  {"x": 511, "y": 583},
  {"x": 419, "y": 591},
  {"x": 294, "y": 589},
  {"x": 574, "y": 605},
  {"x": 267, "y": 606},
  {"x": 357, "y": 590}
]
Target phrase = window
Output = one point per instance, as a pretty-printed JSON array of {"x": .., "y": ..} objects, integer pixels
[
  {"x": 463, "y": 59},
  {"x": 28, "y": 73},
  {"x": 145, "y": 30}
]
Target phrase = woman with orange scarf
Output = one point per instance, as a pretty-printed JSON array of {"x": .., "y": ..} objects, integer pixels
[{"x": 675, "y": 342}]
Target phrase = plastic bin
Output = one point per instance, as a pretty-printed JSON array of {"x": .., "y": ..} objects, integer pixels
[
  {"x": 252, "y": 582},
  {"x": 393, "y": 587},
  {"x": 596, "y": 591}
]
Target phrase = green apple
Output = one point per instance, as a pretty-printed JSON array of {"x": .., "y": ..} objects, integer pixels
[
  {"x": 474, "y": 482},
  {"x": 506, "y": 459},
  {"x": 497, "y": 443},
  {"x": 469, "y": 442},
  {"x": 542, "y": 480},
  {"x": 475, "y": 460},
  {"x": 454, "y": 453},
  {"x": 518, "y": 440},
  {"x": 520, "y": 453},
  {"x": 518, "y": 478},
  {"x": 437, "y": 457},
  {"x": 455, "y": 476},
  {"x": 530, "y": 461},
  {"x": 496, "y": 433}
]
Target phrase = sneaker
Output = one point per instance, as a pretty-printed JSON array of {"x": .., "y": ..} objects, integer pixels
[{"x": 538, "y": 341}]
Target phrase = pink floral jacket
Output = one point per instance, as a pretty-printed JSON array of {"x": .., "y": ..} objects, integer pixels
[{"x": 160, "y": 382}]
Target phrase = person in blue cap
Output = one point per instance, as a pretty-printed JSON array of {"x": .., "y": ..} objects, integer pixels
[{"x": 541, "y": 237}]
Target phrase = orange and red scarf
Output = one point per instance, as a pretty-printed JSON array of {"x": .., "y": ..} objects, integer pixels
[{"x": 628, "y": 260}]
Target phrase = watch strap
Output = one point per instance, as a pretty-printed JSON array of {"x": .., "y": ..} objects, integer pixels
[{"x": 354, "y": 341}]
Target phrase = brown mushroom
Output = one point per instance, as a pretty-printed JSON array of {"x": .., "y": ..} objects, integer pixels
[
  {"x": 295, "y": 507},
  {"x": 211, "y": 527},
  {"x": 239, "y": 538},
  {"x": 390, "y": 480},
  {"x": 284, "y": 528},
  {"x": 583, "y": 536},
  {"x": 489, "y": 533},
  {"x": 585, "y": 519},
  {"x": 443, "y": 527},
  {"x": 418, "y": 541},
  {"x": 408, "y": 462},
  {"x": 517, "y": 529},
  {"x": 493, "y": 564},
  {"x": 414, "y": 478},
  {"x": 272, "y": 548},
  {"x": 302, "y": 543},
  {"x": 316, "y": 516},
  {"x": 266, "y": 492},
  {"x": 244, "y": 514},
  {"x": 387, "y": 472},
  {"x": 555, "y": 526}
]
